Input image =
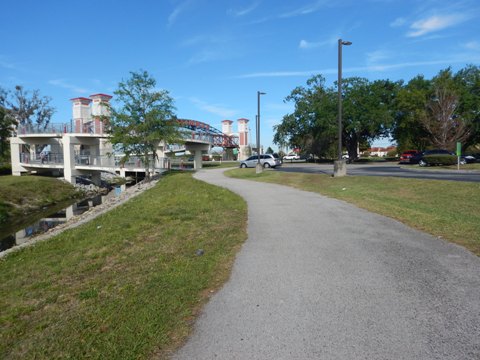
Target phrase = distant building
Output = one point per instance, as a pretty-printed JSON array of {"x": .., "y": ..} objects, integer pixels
[{"x": 381, "y": 151}]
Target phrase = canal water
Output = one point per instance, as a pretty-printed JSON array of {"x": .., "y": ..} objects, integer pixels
[{"x": 45, "y": 220}]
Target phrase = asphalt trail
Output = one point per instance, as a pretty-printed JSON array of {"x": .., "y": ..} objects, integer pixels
[{"x": 321, "y": 279}]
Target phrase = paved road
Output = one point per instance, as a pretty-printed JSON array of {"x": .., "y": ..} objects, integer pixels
[
  {"x": 320, "y": 279},
  {"x": 387, "y": 169}
]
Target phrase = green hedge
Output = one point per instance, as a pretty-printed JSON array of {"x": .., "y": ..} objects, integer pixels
[
  {"x": 440, "y": 159},
  {"x": 5, "y": 169}
]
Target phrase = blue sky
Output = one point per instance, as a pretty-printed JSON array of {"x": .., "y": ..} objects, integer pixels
[{"x": 213, "y": 55}]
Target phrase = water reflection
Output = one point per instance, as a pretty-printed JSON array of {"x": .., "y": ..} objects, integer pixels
[{"x": 22, "y": 235}]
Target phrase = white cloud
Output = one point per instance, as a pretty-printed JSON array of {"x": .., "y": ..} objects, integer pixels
[
  {"x": 4, "y": 63},
  {"x": 63, "y": 84},
  {"x": 458, "y": 59},
  {"x": 272, "y": 121},
  {"x": 434, "y": 23},
  {"x": 205, "y": 39},
  {"x": 398, "y": 22},
  {"x": 216, "y": 109},
  {"x": 245, "y": 11},
  {"x": 172, "y": 18},
  {"x": 307, "y": 9},
  {"x": 304, "y": 44},
  {"x": 376, "y": 56},
  {"x": 206, "y": 56},
  {"x": 286, "y": 73},
  {"x": 472, "y": 45}
]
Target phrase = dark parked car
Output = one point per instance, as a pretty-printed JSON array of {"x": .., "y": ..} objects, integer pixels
[
  {"x": 422, "y": 157},
  {"x": 467, "y": 159}
]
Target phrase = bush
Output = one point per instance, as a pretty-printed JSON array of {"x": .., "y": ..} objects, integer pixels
[
  {"x": 391, "y": 158},
  {"x": 5, "y": 169},
  {"x": 433, "y": 160},
  {"x": 392, "y": 154}
]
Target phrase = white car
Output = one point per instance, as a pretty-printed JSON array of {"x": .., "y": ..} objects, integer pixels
[
  {"x": 267, "y": 161},
  {"x": 291, "y": 157}
]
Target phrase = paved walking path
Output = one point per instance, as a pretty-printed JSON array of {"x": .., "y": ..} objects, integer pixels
[{"x": 321, "y": 279}]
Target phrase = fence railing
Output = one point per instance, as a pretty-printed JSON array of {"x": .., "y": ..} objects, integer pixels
[
  {"x": 115, "y": 161},
  {"x": 54, "y": 128},
  {"x": 50, "y": 158}
]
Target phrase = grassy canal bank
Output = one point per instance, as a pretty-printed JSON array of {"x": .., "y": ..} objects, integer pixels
[
  {"x": 126, "y": 285},
  {"x": 22, "y": 196},
  {"x": 447, "y": 209}
]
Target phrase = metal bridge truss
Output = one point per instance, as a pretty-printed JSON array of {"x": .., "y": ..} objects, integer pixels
[{"x": 205, "y": 132}]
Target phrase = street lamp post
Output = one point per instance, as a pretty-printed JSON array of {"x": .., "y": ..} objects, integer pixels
[
  {"x": 258, "y": 168},
  {"x": 340, "y": 167}
]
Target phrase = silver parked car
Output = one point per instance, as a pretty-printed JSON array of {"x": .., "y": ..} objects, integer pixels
[{"x": 267, "y": 161}]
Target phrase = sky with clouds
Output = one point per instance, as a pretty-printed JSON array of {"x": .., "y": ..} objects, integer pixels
[{"x": 214, "y": 55}]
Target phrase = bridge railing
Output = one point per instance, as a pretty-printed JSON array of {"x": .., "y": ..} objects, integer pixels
[
  {"x": 53, "y": 128},
  {"x": 115, "y": 161},
  {"x": 49, "y": 158}
]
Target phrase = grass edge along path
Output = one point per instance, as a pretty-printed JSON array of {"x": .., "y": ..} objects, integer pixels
[
  {"x": 446, "y": 209},
  {"x": 126, "y": 285}
]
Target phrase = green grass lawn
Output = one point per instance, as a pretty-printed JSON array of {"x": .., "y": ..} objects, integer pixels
[
  {"x": 470, "y": 167},
  {"x": 218, "y": 164},
  {"x": 450, "y": 209},
  {"x": 126, "y": 285},
  {"x": 20, "y": 195}
]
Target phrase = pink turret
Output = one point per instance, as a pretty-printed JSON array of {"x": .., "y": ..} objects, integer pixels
[
  {"x": 243, "y": 131},
  {"x": 81, "y": 113}
]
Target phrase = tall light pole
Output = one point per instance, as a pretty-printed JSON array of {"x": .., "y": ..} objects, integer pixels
[
  {"x": 340, "y": 168},
  {"x": 258, "y": 168}
]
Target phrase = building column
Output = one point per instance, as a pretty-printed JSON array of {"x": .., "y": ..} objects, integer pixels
[
  {"x": 15, "y": 144},
  {"x": 69, "y": 170},
  {"x": 197, "y": 160}
]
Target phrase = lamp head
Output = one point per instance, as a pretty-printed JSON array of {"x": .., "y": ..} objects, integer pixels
[{"x": 346, "y": 43}]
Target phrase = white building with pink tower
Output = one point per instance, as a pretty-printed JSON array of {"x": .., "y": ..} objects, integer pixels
[
  {"x": 245, "y": 149},
  {"x": 75, "y": 149},
  {"x": 82, "y": 148}
]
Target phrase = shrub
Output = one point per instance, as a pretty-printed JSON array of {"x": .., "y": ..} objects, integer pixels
[
  {"x": 392, "y": 154},
  {"x": 440, "y": 159},
  {"x": 5, "y": 169}
]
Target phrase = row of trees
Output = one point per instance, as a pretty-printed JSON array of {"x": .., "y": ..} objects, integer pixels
[{"x": 419, "y": 114}]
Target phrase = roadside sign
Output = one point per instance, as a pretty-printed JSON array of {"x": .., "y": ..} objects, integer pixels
[{"x": 459, "y": 153}]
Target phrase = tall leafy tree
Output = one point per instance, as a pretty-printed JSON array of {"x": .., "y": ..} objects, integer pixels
[
  {"x": 26, "y": 107},
  {"x": 144, "y": 119},
  {"x": 311, "y": 127},
  {"x": 412, "y": 99},
  {"x": 442, "y": 119},
  {"x": 468, "y": 91},
  {"x": 439, "y": 112},
  {"x": 368, "y": 111},
  {"x": 6, "y": 128}
]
